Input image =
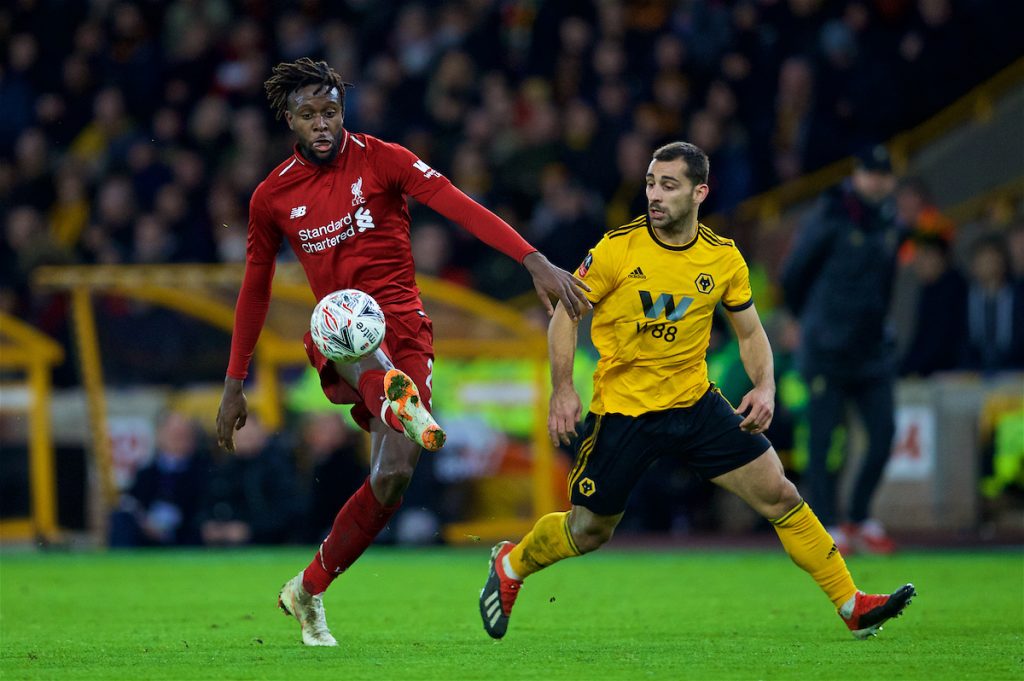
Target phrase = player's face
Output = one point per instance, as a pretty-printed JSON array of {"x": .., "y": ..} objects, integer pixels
[
  {"x": 316, "y": 118},
  {"x": 672, "y": 198}
]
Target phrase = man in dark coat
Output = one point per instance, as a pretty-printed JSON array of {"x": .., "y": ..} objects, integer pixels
[{"x": 838, "y": 281}]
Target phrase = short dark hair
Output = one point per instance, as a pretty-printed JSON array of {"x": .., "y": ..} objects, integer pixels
[
  {"x": 697, "y": 165},
  {"x": 992, "y": 241},
  {"x": 290, "y": 76}
]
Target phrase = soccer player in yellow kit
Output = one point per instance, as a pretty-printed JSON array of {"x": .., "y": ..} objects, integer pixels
[{"x": 654, "y": 284}]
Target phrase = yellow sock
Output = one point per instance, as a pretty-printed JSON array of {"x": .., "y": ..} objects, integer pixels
[
  {"x": 548, "y": 542},
  {"x": 811, "y": 547}
]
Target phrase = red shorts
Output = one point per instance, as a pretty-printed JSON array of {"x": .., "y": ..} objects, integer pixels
[{"x": 408, "y": 343}]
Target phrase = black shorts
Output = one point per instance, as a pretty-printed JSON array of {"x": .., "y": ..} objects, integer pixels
[{"x": 614, "y": 450}]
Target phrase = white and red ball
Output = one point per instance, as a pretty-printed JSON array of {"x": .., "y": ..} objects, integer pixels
[{"x": 347, "y": 325}]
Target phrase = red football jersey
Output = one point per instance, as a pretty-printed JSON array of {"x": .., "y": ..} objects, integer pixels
[
  {"x": 347, "y": 220},
  {"x": 348, "y": 224}
]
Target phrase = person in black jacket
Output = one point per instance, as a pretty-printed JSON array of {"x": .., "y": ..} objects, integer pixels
[
  {"x": 160, "y": 507},
  {"x": 995, "y": 310},
  {"x": 838, "y": 281},
  {"x": 941, "y": 315},
  {"x": 251, "y": 494}
]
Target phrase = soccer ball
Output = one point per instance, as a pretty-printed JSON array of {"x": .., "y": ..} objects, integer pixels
[{"x": 347, "y": 325}]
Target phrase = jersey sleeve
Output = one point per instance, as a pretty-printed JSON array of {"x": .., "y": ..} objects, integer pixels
[
  {"x": 254, "y": 297},
  {"x": 264, "y": 238},
  {"x": 405, "y": 172},
  {"x": 480, "y": 222},
  {"x": 738, "y": 295},
  {"x": 599, "y": 270}
]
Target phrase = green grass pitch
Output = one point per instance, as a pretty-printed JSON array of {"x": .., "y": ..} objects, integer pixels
[{"x": 412, "y": 614}]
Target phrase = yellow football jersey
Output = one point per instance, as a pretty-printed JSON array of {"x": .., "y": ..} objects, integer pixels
[{"x": 653, "y": 306}]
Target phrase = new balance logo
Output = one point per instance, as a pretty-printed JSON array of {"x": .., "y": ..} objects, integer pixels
[
  {"x": 637, "y": 274},
  {"x": 297, "y": 212}
]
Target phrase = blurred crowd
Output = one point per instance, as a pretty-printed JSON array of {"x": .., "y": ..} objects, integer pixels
[
  {"x": 135, "y": 131},
  {"x": 283, "y": 487}
]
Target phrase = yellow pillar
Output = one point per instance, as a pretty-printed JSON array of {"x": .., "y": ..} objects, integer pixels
[
  {"x": 543, "y": 451},
  {"x": 268, "y": 391},
  {"x": 92, "y": 379},
  {"x": 42, "y": 480}
]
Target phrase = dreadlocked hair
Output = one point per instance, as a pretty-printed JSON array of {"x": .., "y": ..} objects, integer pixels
[{"x": 290, "y": 76}]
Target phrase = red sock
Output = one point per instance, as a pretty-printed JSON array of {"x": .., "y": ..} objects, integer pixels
[
  {"x": 358, "y": 522},
  {"x": 371, "y": 389}
]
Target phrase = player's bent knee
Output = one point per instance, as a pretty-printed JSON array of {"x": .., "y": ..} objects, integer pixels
[
  {"x": 389, "y": 484},
  {"x": 592, "y": 538},
  {"x": 591, "y": 533},
  {"x": 783, "y": 499}
]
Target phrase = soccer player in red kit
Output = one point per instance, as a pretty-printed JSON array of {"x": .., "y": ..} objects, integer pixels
[{"x": 339, "y": 200}]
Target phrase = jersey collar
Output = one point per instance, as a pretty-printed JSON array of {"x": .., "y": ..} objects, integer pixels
[{"x": 672, "y": 247}]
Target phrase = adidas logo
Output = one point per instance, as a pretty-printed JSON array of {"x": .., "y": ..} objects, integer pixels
[
  {"x": 493, "y": 606},
  {"x": 637, "y": 274}
]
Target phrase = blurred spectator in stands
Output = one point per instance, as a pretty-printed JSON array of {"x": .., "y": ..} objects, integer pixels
[
  {"x": 332, "y": 467},
  {"x": 565, "y": 219},
  {"x": 69, "y": 214},
  {"x": 995, "y": 310},
  {"x": 843, "y": 85},
  {"x": 18, "y": 82},
  {"x": 584, "y": 146},
  {"x": 941, "y": 315},
  {"x": 208, "y": 132},
  {"x": 432, "y": 252},
  {"x": 153, "y": 243},
  {"x": 103, "y": 144},
  {"x": 79, "y": 84},
  {"x": 917, "y": 214},
  {"x": 1015, "y": 245},
  {"x": 838, "y": 281},
  {"x": 132, "y": 59},
  {"x": 792, "y": 131},
  {"x": 449, "y": 95},
  {"x": 729, "y": 173},
  {"x": 26, "y": 244},
  {"x": 614, "y": 106},
  {"x": 243, "y": 63},
  {"x": 148, "y": 172},
  {"x": 32, "y": 171},
  {"x": 538, "y": 147},
  {"x": 251, "y": 495},
  {"x": 932, "y": 64},
  {"x": 630, "y": 196},
  {"x": 108, "y": 238},
  {"x": 229, "y": 218},
  {"x": 160, "y": 508}
]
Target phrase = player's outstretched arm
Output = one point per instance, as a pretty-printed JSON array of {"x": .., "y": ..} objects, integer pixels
[
  {"x": 758, "y": 405},
  {"x": 232, "y": 414},
  {"x": 551, "y": 281},
  {"x": 565, "y": 406}
]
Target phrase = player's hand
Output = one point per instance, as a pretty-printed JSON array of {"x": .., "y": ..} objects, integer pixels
[
  {"x": 563, "y": 415},
  {"x": 554, "y": 281},
  {"x": 758, "y": 406},
  {"x": 231, "y": 416}
]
